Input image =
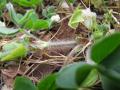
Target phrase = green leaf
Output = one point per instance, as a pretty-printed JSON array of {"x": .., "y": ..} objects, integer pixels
[
  {"x": 108, "y": 19},
  {"x": 33, "y": 23},
  {"x": 49, "y": 11},
  {"x": 74, "y": 76},
  {"x": 112, "y": 60},
  {"x": 12, "y": 51},
  {"x": 99, "y": 30},
  {"x": 29, "y": 16},
  {"x": 110, "y": 79},
  {"x": 97, "y": 34},
  {"x": 106, "y": 53},
  {"x": 29, "y": 21},
  {"x": 48, "y": 83},
  {"x": 71, "y": 1},
  {"x": 8, "y": 31},
  {"x": 28, "y": 3},
  {"x": 28, "y": 24},
  {"x": 104, "y": 48},
  {"x": 12, "y": 13},
  {"x": 2, "y": 4},
  {"x": 76, "y": 18},
  {"x": 109, "y": 84},
  {"x": 41, "y": 25},
  {"x": 23, "y": 83},
  {"x": 86, "y": 76},
  {"x": 9, "y": 46},
  {"x": 67, "y": 76},
  {"x": 90, "y": 79},
  {"x": 21, "y": 20}
]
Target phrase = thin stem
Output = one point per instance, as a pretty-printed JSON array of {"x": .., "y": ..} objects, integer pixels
[
  {"x": 83, "y": 3},
  {"x": 115, "y": 19},
  {"x": 115, "y": 12}
]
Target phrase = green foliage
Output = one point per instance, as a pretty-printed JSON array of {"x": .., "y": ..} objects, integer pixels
[
  {"x": 30, "y": 16},
  {"x": 28, "y": 3},
  {"x": 2, "y": 4},
  {"x": 49, "y": 11},
  {"x": 109, "y": 84},
  {"x": 29, "y": 21},
  {"x": 61, "y": 80},
  {"x": 71, "y": 1},
  {"x": 41, "y": 24},
  {"x": 83, "y": 16},
  {"x": 99, "y": 30},
  {"x": 12, "y": 51},
  {"x": 23, "y": 83},
  {"x": 91, "y": 79},
  {"x": 79, "y": 75},
  {"x": 64, "y": 81},
  {"x": 8, "y": 31},
  {"x": 108, "y": 17},
  {"x": 12, "y": 13},
  {"x": 110, "y": 44},
  {"x": 48, "y": 83},
  {"x": 108, "y": 60},
  {"x": 76, "y": 18}
]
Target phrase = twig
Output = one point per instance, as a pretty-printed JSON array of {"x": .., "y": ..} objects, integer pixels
[
  {"x": 83, "y": 49},
  {"x": 28, "y": 70},
  {"x": 116, "y": 13},
  {"x": 83, "y": 3},
  {"x": 55, "y": 33},
  {"x": 115, "y": 19},
  {"x": 33, "y": 70},
  {"x": 65, "y": 18},
  {"x": 71, "y": 54}
]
